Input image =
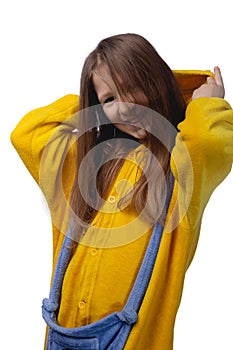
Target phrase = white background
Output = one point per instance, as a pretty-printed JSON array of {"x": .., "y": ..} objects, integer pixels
[{"x": 43, "y": 46}]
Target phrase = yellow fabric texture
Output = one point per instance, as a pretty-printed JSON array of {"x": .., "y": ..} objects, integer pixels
[{"x": 98, "y": 279}]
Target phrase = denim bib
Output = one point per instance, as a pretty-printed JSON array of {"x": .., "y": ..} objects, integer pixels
[{"x": 112, "y": 331}]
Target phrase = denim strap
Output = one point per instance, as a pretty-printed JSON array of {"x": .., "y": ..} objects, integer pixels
[{"x": 52, "y": 304}]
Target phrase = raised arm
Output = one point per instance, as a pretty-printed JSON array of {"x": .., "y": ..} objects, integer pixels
[
  {"x": 46, "y": 144},
  {"x": 33, "y": 132},
  {"x": 207, "y": 135}
]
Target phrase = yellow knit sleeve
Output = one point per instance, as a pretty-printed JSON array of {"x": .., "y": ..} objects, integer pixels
[
  {"x": 203, "y": 153},
  {"x": 33, "y": 132},
  {"x": 46, "y": 143}
]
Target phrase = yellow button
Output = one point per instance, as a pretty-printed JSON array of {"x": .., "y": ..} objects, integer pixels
[
  {"x": 111, "y": 199},
  {"x": 82, "y": 305},
  {"x": 94, "y": 252}
]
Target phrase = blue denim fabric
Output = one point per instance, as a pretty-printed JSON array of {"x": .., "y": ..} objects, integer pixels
[{"x": 112, "y": 331}]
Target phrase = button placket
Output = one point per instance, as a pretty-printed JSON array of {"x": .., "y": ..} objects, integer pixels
[
  {"x": 94, "y": 251},
  {"x": 82, "y": 304},
  {"x": 111, "y": 199}
]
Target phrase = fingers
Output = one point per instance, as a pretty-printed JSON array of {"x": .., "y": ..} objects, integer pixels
[
  {"x": 217, "y": 79},
  {"x": 218, "y": 76},
  {"x": 211, "y": 80}
]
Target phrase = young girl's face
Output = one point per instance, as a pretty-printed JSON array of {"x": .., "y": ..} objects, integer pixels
[{"x": 125, "y": 115}]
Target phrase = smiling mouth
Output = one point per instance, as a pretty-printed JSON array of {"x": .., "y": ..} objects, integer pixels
[
  {"x": 136, "y": 126},
  {"x": 134, "y": 119},
  {"x": 132, "y": 122}
]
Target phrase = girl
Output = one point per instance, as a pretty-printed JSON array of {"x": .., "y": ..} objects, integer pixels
[{"x": 113, "y": 167}]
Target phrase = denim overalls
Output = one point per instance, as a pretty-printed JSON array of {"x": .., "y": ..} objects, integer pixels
[{"x": 112, "y": 331}]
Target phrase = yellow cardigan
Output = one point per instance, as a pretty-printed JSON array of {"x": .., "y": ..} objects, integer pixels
[{"x": 99, "y": 279}]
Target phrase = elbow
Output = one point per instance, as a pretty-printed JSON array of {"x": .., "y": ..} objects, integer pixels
[{"x": 15, "y": 137}]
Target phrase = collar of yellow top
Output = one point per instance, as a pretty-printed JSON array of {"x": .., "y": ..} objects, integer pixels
[{"x": 189, "y": 80}]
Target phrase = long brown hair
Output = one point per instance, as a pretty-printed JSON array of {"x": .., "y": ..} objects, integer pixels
[{"x": 132, "y": 62}]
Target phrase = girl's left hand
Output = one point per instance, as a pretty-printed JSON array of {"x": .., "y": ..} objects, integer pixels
[{"x": 213, "y": 87}]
